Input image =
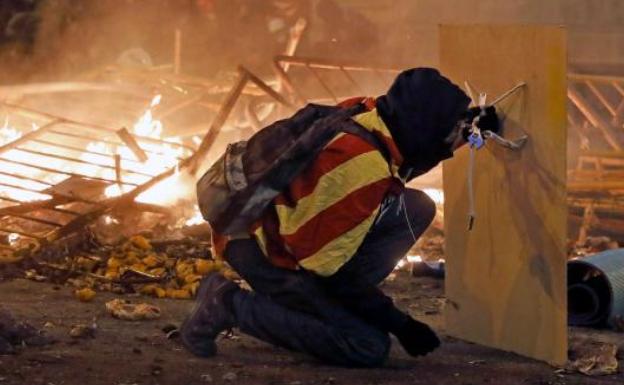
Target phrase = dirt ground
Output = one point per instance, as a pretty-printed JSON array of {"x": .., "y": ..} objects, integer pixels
[{"x": 125, "y": 353}]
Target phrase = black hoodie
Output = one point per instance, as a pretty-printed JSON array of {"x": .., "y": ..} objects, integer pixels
[{"x": 421, "y": 109}]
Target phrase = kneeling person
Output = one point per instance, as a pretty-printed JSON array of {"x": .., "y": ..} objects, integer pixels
[{"x": 323, "y": 246}]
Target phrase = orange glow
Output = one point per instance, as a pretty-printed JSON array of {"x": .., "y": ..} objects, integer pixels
[{"x": 161, "y": 156}]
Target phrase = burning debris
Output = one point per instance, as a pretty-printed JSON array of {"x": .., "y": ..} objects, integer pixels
[
  {"x": 54, "y": 180},
  {"x": 74, "y": 194},
  {"x": 78, "y": 187}
]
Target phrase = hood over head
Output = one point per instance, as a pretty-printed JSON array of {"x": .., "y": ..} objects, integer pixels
[{"x": 421, "y": 108}]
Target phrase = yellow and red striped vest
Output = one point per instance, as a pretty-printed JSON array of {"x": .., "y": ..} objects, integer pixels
[{"x": 320, "y": 221}]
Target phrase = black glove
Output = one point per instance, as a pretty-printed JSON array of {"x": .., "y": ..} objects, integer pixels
[
  {"x": 488, "y": 122},
  {"x": 417, "y": 338}
]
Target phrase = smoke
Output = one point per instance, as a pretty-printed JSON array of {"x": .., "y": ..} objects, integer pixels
[
  {"x": 56, "y": 39},
  {"x": 63, "y": 38}
]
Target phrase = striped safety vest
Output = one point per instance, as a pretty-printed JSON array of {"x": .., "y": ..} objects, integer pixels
[{"x": 320, "y": 221}]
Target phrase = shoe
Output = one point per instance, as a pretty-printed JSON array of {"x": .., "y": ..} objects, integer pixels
[
  {"x": 417, "y": 338},
  {"x": 209, "y": 316}
]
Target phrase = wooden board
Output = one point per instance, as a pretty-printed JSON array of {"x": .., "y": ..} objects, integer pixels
[{"x": 506, "y": 279}]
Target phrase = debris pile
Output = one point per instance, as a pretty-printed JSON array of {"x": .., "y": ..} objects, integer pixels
[
  {"x": 591, "y": 245},
  {"x": 431, "y": 245},
  {"x": 84, "y": 330},
  {"x": 125, "y": 310},
  {"x": 158, "y": 268},
  {"x": 593, "y": 358}
]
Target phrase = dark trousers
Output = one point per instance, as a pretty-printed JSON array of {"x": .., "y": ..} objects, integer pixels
[{"x": 343, "y": 319}]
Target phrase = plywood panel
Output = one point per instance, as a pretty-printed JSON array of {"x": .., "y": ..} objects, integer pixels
[{"x": 506, "y": 279}]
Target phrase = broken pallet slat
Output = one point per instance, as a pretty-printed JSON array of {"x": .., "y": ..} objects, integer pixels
[{"x": 132, "y": 144}]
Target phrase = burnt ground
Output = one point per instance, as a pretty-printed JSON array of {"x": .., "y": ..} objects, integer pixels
[{"x": 125, "y": 352}]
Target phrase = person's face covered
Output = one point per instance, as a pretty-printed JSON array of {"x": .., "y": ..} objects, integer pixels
[{"x": 421, "y": 109}]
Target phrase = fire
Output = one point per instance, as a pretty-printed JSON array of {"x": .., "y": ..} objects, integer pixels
[
  {"x": 196, "y": 219},
  {"x": 110, "y": 220},
  {"x": 9, "y": 134},
  {"x": 146, "y": 125},
  {"x": 161, "y": 156},
  {"x": 408, "y": 260},
  {"x": 435, "y": 194},
  {"x": 13, "y": 238}
]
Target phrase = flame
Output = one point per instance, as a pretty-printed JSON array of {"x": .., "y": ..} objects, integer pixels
[
  {"x": 110, "y": 220},
  {"x": 9, "y": 134},
  {"x": 196, "y": 219},
  {"x": 20, "y": 182},
  {"x": 146, "y": 125},
  {"x": 435, "y": 194},
  {"x": 160, "y": 157},
  {"x": 13, "y": 238}
]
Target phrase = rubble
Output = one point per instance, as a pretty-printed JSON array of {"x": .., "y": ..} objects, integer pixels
[
  {"x": 161, "y": 268},
  {"x": 230, "y": 376},
  {"x": 85, "y": 295},
  {"x": 84, "y": 330},
  {"x": 591, "y": 245},
  {"x": 593, "y": 358},
  {"x": 431, "y": 245},
  {"x": 125, "y": 310}
]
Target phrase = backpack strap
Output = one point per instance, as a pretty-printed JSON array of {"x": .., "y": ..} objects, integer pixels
[{"x": 352, "y": 127}]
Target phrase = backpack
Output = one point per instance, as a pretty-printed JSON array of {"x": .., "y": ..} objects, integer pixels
[{"x": 237, "y": 188}]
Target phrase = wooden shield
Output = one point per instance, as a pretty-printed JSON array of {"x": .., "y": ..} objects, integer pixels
[{"x": 506, "y": 279}]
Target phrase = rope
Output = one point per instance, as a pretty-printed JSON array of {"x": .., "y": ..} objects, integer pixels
[
  {"x": 477, "y": 140},
  {"x": 510, "y": 144},
  {"x": 403, "y": 206},
  {"x": 470, "y": 176}
]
